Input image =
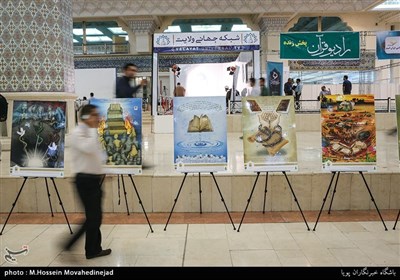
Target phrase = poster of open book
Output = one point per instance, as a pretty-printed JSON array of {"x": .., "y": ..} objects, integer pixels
[
  {"x": 269, "y": 134},
  {"x": 200, "y": 140},
  {"x": 38, "y": 138},
  {"x": 348, "y": 133},
  {"x": 120, "y": 134}
]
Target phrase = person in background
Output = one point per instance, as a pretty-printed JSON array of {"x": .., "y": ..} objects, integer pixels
[
  {"x": 324, "y": 92},
  {"x": 253, "y": 90},
  {"x": 298, "y": 88},
  {"x": 91, "y": 95},
  {"x": 87, "y": 156},
  {"x": 179, "y": 91},
  {"x": 287, "y": 87},
  {"x": 264, "y": 90},
  {"x": 346, "y": 85},
  {"x": 124, "y": 88},
  {"x": 227, "y": 97}
]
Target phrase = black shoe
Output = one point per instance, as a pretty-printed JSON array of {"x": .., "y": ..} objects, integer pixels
[{"x": 100, "y": 254}]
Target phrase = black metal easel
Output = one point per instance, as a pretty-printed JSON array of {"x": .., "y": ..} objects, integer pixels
[
  {"x": 397, "y": 219},
  {"x": 48, "y": 195},
  {"x": 119, "y": 192},
  {"x": 137, "y": 194},
  {"x": 333, "y": 195},
  {"x": 265, "y": 196},
  {"x": 200, "y": 191}
]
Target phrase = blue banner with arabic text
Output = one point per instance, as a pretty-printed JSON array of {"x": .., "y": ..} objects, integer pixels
[{"x": 320, "y": 45}]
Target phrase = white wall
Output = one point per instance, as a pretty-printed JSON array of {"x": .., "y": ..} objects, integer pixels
[{"x": 100, "y": 81}]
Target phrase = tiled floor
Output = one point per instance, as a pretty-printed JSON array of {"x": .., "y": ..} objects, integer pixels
[{"x": 344, "y": 238}]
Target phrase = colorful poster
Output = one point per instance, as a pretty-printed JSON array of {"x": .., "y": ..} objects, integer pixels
[
  {"x": 388, "y": 45},
  {"x": 348, "y": 133},
  {"x": 274, "y": 77},
  {"x": 120, "y": 134},
  {"x": 200, "y": 139},
  {"x": 269, "y": 134},
  {"x": 38, "y": 138},
  {"x": 398, "y": 120}
]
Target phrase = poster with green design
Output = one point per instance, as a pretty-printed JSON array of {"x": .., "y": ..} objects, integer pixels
[{"x": 269, "y": 133}]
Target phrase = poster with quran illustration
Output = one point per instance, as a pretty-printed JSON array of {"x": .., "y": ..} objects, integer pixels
[
  {"x": 348, "y": 133},
  {"x": 38, "y": 138},
  {"x": 269, "y": 133},
  {"x": 200, "y": 140},
  {"x": 120, "y": 134}
]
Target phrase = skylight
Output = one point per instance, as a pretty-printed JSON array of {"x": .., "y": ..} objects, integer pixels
[
  {"x": 173, "y": 28},
  {"x": 98, "y": 39},
  {"x": 240, "y": 27},
  {"x": 89, "y": 31},
  {"x": 116, "y": 30},
  {"x": 388, "y": 5},
  {"x": 202, "y": 28}
]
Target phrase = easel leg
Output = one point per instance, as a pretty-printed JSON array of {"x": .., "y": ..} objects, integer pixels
[
  {"x": 373, "y": 200},
  {"x": 140, "y": 201},
  {"x": 248, "y": 200},
  {"x": 324, "y": 200},
  {"x": 13, "y": 205},
  {"x": 48, "y": 196},
  {"x": 175, "y": 200},
  {"x": 61, "y": 204},
  {"x": 126, "y": 200},
  {"x": 200, "y": 191},
  {"x": 398, "y": 214},
  {"x": 334, "y": 191},
  {"x": 119, "y": 190},
  {"x": 295, "y": 199},
  {"x": 222, "y": 199},
  {"x": 265, "y": 191}
]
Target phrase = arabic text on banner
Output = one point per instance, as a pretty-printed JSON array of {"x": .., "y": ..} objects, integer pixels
[{"x": 320, "y": 45}]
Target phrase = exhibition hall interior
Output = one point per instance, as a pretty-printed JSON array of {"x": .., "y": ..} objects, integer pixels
[{"x": 253, "y": 164}]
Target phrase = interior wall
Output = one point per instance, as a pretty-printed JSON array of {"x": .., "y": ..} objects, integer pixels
[{"x": 100, "y": 81}]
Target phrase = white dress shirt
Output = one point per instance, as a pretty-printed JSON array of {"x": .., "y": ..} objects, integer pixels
[{"x": 87, "y": 155}]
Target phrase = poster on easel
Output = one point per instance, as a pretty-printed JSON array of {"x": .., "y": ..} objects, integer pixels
[
  {"x": 398, "y": 121},
  {"x": 269, "y": 134},
  {"x": 120, "y": 134},
  {"x": 348, "y": 133},
  {"x": 38, "y": 138},
  {"x": 200, "y": 139}
]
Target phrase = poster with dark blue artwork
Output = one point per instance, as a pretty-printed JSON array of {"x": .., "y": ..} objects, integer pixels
[{"x": 38, "y": 138}]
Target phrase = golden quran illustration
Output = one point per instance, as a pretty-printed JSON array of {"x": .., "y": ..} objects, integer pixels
[
  {"x": 269, "y": 132},
  {"x": 200, "y": 124},
  {"x": 118, "y": 137}
]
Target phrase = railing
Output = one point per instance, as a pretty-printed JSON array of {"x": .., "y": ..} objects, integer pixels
[
  {"x": 165, "y": 105},
  {"x": 105, "y": 48}
]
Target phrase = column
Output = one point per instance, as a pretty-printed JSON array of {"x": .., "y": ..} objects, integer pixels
[
  {"x": 36, "y": 52},
  {"x": 270, "y": 28},
  {"x": 142, "y": 31}
]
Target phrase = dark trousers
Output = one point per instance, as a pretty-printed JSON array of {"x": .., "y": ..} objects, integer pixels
[{"x": 90, "y": 193}]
